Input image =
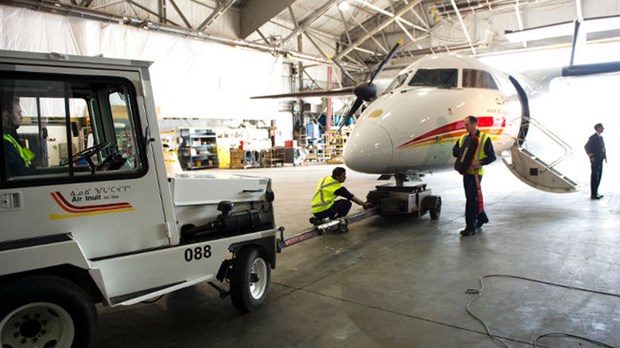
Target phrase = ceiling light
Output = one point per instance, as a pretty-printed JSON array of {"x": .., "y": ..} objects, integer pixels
[{"x": 343, "y": 5}]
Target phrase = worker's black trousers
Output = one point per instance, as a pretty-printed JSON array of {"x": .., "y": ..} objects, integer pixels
[
  {"x": 472, "y": 215},
  {"x": 339, "y": 209},
  {"x": 595, "y": 176}
]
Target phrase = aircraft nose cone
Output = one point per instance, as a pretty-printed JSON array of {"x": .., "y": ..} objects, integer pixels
[{"x": 368, "y": 149}]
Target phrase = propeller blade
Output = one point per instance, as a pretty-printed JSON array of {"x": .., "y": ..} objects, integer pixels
[
  {"x": 356, "y": 105},
  {"x": 344, "y": 71},
  {"x": 312, "y": 93},
  {"x": 386, "y": 60}
]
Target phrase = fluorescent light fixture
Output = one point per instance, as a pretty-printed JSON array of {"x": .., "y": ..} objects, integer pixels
[
  {"x": 588, "y": 25},
  {"x": 343, "y": 5}
]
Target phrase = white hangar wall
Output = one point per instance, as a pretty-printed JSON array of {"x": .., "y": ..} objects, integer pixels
[{"x": 190, "y": 78}]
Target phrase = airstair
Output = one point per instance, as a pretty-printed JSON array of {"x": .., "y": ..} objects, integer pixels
[{"x": 534, "y": 171}]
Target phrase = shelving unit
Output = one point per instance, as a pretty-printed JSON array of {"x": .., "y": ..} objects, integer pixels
[
  {"x": 273, "y": 156},
  {"x": 335, "y": 145},
  {"x": 198, "y": 148},
  {"x": 316, "y": 152}
]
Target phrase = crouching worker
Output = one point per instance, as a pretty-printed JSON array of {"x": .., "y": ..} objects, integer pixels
[{"x": 324, "y": 203}]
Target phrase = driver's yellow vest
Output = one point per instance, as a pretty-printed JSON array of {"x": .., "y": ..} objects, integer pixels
[
  {"x": 24, "y": 152},
  {"x": 324, "y": 196},
  {"x": 480, "y": 154}
]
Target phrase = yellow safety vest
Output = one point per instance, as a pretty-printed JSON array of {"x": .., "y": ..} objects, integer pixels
[
  {"x": 480, "y": 154},
  {"x": 24, "y": 152},
  {"x": 324, "y": 196}
]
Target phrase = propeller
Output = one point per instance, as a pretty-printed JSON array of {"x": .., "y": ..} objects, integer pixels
[
  {"x": 364, "y": 91},
  {"x": 367, "y": 91}
]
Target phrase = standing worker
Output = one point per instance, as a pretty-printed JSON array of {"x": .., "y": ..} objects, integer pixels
[
  {"x": 475, "y": 216},
  {"x": 324, "y": 203},
  {"x": 595, "y": 148}
]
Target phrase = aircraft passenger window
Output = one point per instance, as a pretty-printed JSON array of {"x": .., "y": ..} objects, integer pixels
[
  {"x": 473, "y": 78},
  {"x": 57, "y": 129},
  {"x": 442, "y": 78},
  {"x": 397, "y": 82}
]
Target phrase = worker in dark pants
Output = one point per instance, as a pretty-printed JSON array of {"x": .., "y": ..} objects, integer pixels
[
  {"x": 595, "y": 148},
  {"x": 324, "y": 203},
  {"x": 485, "y": 154}
]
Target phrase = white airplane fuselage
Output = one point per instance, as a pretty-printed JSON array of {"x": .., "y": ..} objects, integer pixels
[{"x": 414, "y": 126}]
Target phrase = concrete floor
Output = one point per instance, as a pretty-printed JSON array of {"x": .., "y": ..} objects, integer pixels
[{"x": 401, "y": 282}]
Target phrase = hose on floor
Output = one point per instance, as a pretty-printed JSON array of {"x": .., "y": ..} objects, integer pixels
[{"x": 479, "y": 291}]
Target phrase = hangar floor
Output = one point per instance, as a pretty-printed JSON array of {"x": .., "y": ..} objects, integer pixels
[{"x": 401, "y": 282}]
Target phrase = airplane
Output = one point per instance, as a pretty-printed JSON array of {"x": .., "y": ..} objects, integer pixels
[{"x": 411, "y": 128}]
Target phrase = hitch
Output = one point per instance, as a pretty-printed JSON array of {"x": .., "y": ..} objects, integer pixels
[{"x": 340, "y": 224}]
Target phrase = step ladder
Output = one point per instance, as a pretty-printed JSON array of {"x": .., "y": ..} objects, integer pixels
[{"x": 534, "y": 171}]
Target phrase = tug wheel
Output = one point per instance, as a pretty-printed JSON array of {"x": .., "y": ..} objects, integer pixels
[
  {"x": 249, "y": 280},
  {"x": 46, "y": 311}
]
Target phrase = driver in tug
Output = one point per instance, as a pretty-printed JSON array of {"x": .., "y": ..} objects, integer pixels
[{"x": 17, "y": 156}]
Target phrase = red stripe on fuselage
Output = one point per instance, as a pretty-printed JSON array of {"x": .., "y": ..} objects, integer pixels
[{"x": 483, "y": 122}]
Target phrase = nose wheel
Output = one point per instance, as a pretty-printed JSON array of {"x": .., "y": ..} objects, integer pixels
[{"x": 435, "y": 209}]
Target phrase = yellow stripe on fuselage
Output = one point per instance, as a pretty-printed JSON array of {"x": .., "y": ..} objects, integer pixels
[{"x": 494, "y": 134}]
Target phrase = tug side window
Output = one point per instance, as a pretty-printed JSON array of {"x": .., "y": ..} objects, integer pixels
[{"x": 69, "y": 129}]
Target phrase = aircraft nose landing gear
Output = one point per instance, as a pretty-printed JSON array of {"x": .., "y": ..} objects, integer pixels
[{"x": 405, "y": 197}]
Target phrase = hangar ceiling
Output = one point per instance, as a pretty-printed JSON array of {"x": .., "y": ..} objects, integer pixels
[{"x": 315, "y": 30}]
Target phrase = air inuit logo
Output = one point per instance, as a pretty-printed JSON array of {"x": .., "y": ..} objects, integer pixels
[{"x": 86, "y": 206}]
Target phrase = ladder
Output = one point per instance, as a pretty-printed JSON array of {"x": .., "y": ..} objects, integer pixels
[{"x": 534, "y": 171}]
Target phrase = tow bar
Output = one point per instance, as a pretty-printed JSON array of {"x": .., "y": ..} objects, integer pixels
[{"x": 341, "y": 224}]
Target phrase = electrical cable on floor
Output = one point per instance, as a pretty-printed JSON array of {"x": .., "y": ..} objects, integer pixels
[
  {"x": 560, "y": 334},
  {"x": 535, "y": 343}
]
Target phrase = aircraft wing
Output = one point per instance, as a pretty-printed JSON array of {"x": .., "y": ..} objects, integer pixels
[
  {"x": 589, "y": 69},
  {"x": 311, "y": 93}
]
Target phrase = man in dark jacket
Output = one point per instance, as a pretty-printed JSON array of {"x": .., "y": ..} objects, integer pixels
[
  {"x": 595, "y": 148},
  {"x": 475, "y": 216}
]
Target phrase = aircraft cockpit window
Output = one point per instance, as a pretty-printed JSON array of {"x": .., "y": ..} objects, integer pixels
[
  {"x": 397, "y": 82},
  {"x": 473, "y": 78},
  {"x": 441, "y": 78}
]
